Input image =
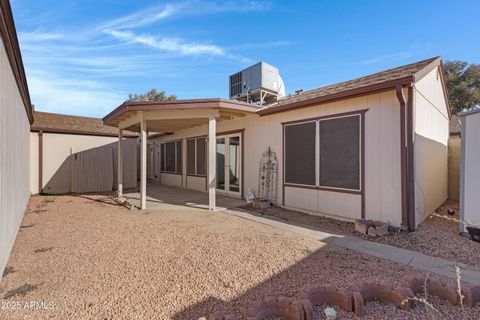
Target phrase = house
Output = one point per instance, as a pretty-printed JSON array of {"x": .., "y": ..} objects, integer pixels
[
  {"x": 373, "y": 147},
  {"x": 469, "y": 173},
  {"x": 16, "y": 115},
  {"x": 72, "y": 154}
]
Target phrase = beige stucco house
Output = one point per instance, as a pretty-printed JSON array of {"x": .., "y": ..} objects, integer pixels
[
  {"x": 374, "y": 147},
  {"x": 15, "y": 118},
  {"x": 469, "y": 173}
]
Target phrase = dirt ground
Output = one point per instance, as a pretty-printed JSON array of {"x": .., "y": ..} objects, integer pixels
[
  {"x": 437, "y": 236},
  {"x": 81, "y": 257}
]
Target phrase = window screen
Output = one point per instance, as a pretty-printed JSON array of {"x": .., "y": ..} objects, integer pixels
[
  {"x": 201, "y": 156},
  {"x": 340, "y": 153},
  {"x": 191, "y": 156},
  {"x": 170, "y": 157},
  {"x": 179, "y": 157},
  {"x": 300, "y": 153},
  {"x": 162, "y": 157}
]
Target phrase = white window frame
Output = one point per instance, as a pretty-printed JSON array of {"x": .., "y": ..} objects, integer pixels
[
  {"x": 163, "y": 149},
  {"x": 196, "y": 174}
]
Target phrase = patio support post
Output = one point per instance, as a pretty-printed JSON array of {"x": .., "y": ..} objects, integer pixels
[
  {"x": 143, "y": 164},
  {"x": 120, "y": 163},
  {"x": 212, "y": 163}
]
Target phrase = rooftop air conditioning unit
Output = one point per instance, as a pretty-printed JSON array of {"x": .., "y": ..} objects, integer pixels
[{"x": 260, "y": 83}]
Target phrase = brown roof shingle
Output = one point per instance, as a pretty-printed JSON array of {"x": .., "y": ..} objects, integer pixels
[
  {"x": 386, "y": 79},
  {"x": 60, "y": 123}
]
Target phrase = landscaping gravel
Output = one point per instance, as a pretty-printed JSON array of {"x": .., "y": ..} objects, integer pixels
[
  {"x": 83, "y": 257},
  {"x": 437, "y": 236}
]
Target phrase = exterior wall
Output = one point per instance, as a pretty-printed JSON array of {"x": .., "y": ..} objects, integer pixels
[
  {"x": 431, "y": 132},
  {"x": 14, "y": 155},
  {"x": 58, "y": 154},
  {"x": 197, "y": 183},
  {"x": 382, "y": 155},
  {"x": 171, "y": 179},
  {"x": 454, "y": 162},
  {"x": 470, "y": 174}
]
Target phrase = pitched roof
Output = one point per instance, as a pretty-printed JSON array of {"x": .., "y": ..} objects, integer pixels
[
  {"x": 387, "y": 79},
  {"x": 60, "y": 123}
]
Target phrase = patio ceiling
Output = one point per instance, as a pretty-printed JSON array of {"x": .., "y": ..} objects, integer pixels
[{"x": 170, "y": 116}]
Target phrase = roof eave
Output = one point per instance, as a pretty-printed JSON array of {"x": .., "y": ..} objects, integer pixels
[
  {"x": 177, "y": 104},
  {"x": 387, "y": 85}
]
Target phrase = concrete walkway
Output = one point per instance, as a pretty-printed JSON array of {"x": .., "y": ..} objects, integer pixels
[{"x": 407, "y": 257}]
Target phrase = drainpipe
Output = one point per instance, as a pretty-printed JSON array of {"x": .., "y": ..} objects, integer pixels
[
  {"x": 40, "y": 162},
  {"x": 411, "y": 160},
  {"x": 403, "y": 154},
  {"x": 407, "y": 157}
]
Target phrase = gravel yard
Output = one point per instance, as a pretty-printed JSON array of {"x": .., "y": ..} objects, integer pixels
[
  {"x": 437, "y": 236},
  {"x": 86, "y": 258}
]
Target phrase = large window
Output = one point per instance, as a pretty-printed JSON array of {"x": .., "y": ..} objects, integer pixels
[
  {"x": 196, "y": 156},
  {"x": 324, "y": 153},
  {"x": 171, "y": 157},
  {"x": 300, "y": 153}
]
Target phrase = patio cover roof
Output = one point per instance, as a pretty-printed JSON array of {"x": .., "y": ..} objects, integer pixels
[{"x": 169, "y": 116}]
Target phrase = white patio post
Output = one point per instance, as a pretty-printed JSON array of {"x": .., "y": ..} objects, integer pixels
[
  {"x": 120, "y": 163},
  {"x": 212, "y": 161},
  {"x": 143, "y": 164}
]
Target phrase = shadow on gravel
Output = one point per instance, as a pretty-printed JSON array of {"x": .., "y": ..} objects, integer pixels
[
  {"x": 45, "y": 249},
  {"x": 27, "y": 226},
  {"x": 7, "y": 271},
  {"x": 21, "y": 291},
  {"x": 106, "y": 200}
]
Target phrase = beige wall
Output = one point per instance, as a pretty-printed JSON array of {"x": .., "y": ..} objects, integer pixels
[
  {"x": 470, "y": 172},
  {"x": 14, "y": 155},
  {"x": 454, "y": 162},
  {"x": 431, "y": 121},
  {"x": 382, "y": 165},
  {"x": 60, "y": 175}
]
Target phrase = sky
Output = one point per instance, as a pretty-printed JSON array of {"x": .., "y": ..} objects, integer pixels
[{"x": 85, "y": 57}]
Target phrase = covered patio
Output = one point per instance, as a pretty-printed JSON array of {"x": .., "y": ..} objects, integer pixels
[
  {"x": 168, "y": 117},
  {"x": 163, "y": 197}
]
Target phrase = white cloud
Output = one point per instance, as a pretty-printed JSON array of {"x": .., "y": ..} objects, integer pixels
[
  {"x": 169, "y": 44},
  {"x": 389, "y": 57},
  {"x": 143, "y": 17},
  {"x": 182, "y": 8},
  {"x": 67, "y": 96}
]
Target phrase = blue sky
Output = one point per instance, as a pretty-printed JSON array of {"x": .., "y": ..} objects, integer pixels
[{"x": 85, "y": 57}]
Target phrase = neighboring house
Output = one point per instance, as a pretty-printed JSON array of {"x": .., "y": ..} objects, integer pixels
[
  {"x": 15, "y": 119},
  {"x": 454, "y": 146},
  {"x": 374, "y": 147},
  {"x": 71, "y": 154},
  {"x": 469, "y": 172}
]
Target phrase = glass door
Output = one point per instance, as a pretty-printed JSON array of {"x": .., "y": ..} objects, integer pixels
[{"x": 229, "y": 164}]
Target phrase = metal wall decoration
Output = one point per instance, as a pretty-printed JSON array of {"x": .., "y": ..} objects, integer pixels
[{"x": 268, "y": 175}]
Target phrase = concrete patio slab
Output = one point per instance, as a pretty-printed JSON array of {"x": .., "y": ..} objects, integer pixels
[{"x": 163, "y": 197}]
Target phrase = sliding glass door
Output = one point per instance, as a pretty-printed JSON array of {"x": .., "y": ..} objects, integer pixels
[{"x": 229, "y": 164}]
